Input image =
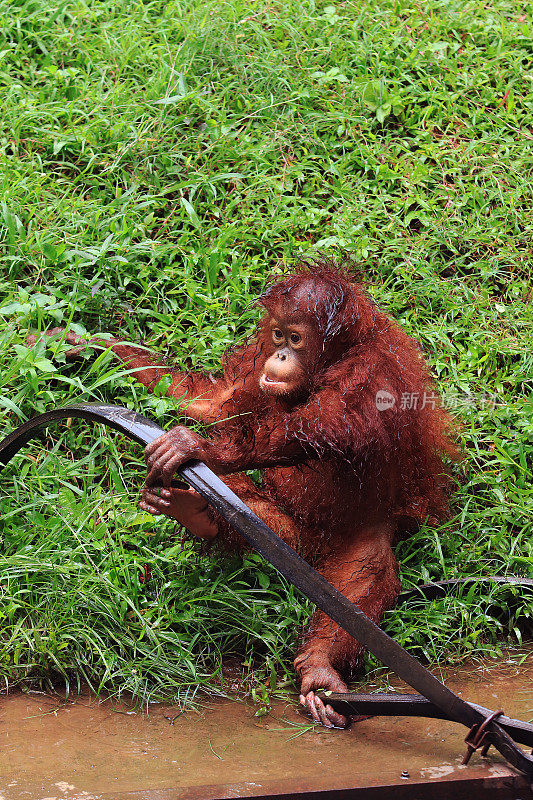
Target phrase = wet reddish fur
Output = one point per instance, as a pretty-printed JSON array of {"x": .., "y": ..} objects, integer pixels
[
  {"x": 367, "y": 477},
  {"x": 396, "y": 454},
  {"x": 341, "y": 479}
]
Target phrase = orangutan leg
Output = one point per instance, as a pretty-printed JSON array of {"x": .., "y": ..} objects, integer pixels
[
  {"x": 191, "y": 510},
  {"x": 366, "y": 572}
]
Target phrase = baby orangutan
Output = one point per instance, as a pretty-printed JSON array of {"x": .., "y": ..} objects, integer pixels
[{"x": 329, "y": 400}]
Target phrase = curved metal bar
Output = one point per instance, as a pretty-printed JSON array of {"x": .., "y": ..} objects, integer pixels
[
  {"x": 413, "y": 705},
  {"x": 137, "y": 427},
  {"x": 289, "y": 564}
]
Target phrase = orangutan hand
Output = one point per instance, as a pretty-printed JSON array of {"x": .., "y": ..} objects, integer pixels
[
  {"x": 80, "y": 344},
  {"x": 168, "y": 452}
]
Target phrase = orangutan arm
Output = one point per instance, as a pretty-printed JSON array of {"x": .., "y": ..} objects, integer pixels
[
  {"x": 280, "y": 439},
  {"x": 200, "y": 397}
]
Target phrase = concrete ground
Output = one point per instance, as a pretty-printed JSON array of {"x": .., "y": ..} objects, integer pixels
[{"x": 86, "y": 749}]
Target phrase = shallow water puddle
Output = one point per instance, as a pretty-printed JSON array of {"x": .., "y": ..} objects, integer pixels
[{"x": 82, "y": 749}]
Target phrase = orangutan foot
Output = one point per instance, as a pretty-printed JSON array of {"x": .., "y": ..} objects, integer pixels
[
  {"x": 185, "y": 505},
  {"x": 317, "y": 673}
]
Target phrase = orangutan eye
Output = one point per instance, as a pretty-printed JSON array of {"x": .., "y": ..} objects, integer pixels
[
  {"x": 296, "y": 338},
  {"x": 277, "y": 334}
]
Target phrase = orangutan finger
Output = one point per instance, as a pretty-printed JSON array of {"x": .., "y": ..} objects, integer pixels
[
  {"x": 155, "y": 500},
  {"x": 162, "y": 454},
  {"x": 336, "y": 719},
  {"x": 310, "y": 706},
  {"x": 144, "y": 506},
  {"x": 164, "y": 469},
  {"x": 155, "y": 469},
  {"x": 150, "y": 449},
  {"x": 71, "y": 354},
  {"x": 33, "y": 338},
  {"x": 74, "y": 338},
  {"x": 171, "y": 466},
  {"x": 321, "y": 711},
  {"x": 157, "y": 492}
]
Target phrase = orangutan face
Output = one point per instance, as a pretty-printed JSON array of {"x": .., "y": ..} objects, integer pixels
[{"x": 295, "y": 340}]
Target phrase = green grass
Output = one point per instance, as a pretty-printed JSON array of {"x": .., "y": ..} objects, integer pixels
[{"x": 158, "y": 161}]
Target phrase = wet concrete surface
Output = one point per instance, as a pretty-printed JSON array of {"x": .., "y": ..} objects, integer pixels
[{"x": 88, "y": 749}]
